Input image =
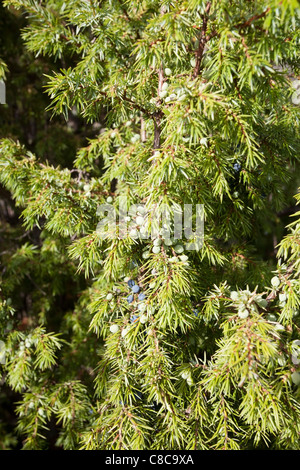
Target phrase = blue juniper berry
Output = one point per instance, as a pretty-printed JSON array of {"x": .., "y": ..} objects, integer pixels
[{"x": 130, "y": 299}]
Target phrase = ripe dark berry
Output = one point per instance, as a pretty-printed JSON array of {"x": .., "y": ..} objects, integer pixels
[
  {"x": 131, "y": 283},
  {"x": 130, "y": 299},
  {"x": 135, "y": 289},
  {"x": 141, "y": 296}
]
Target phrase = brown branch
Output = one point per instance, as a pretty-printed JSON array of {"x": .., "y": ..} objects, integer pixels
[
  {"x": 158, "y": 114},
  {"x": 143, "y": 131},
  {"x": 136, "y": 105},
  {"x": 124, "y": 10},
  {"x": 248, "y": 23},
  {"x": 160, "y": 79},
  {"x": 202, "y": 41},
  {"x": 128, "y": 100},
  {"x": 241, "y": 25},
  {"x": 157, "y": 131}
]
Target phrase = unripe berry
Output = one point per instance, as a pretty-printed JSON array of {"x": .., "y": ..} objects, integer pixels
[
  {"x": 141, "y": 210},
  {"x": 135, "y": 138},
  {"x": 189, "y": 381},
  {"x": 109, "y": 200},
  {"x": 156, "y": 249},
  {"x": 253, "y": 308},
  {"x": 234, "y": 295},
  {"x": 296, "y": 378},
  {"x": 143, "y": 319},
  {"x": 109, "y": 296},
  {"x": 133, "y": 233},
  {"x": 140, "y": 220},
  {"x": 124, "y": 332},
  {"x": 150, "y": 310},
  {"x": 185, "y": 375},
  {"x": 168, "y": 72},
  {"x": 144, "y": 234},
  {"x": 243, "y": 313},
  {"x": 178, "y": 248},
  {"x": 296, "y": 94},
  {"x": 114, "y": 328},
  {"x": 282, "y": 297},
  {"x": 295, "y": 352},
  {"x": 261, "y": 302},
  {"x": 165, "y": 86},
  {"x": 281, "y": 361},
  {"x": 275, "y": 281},
  {"x": 163, "y": 94}
]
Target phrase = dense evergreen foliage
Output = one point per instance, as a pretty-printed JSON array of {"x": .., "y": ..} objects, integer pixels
[{"x": 134, "y": 343}]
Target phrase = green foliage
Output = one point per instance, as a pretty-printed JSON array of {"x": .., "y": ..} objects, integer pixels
[{"x": 166, "y": 103}]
